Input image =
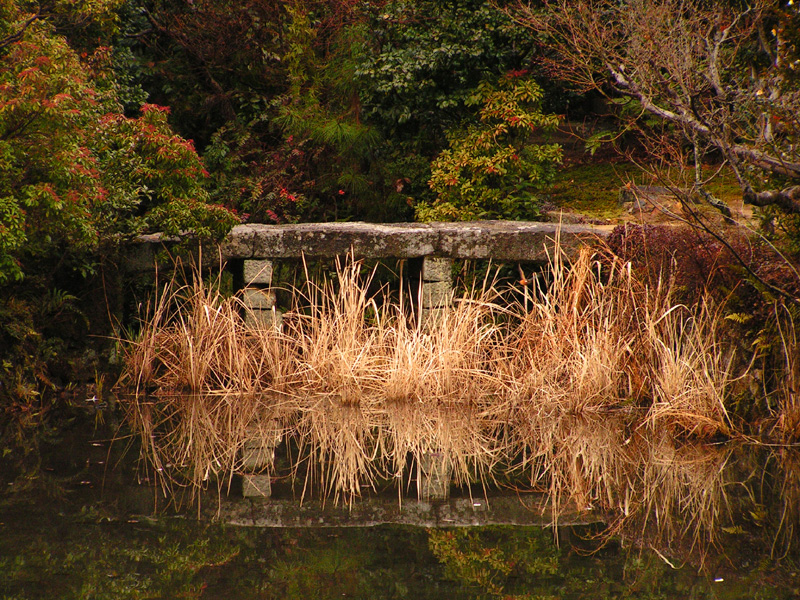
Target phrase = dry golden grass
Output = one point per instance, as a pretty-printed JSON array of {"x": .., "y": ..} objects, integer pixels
[
  {"x": 578, "y": 348},
  {"x": 198, "y": 378},
  {"x": 569, "y": 388}
]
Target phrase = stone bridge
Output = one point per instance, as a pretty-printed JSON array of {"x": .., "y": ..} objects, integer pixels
[
  {"x": 498, "y": 240},
  {"x": 250, "y": 249}
]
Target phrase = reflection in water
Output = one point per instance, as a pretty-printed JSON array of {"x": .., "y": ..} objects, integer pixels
[
  {"x": 85, "y": 557},
  {"x": 685, "y": 498},
  {"x": 522, "y": 564},
  {"x": 684, "y": 491},
  {"x": 731, "y": 507}
]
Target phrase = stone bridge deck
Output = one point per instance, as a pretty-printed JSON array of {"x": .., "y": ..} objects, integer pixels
[{"x": 498, "y": 240}]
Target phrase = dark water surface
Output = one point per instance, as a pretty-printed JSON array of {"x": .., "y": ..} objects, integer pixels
[
  {"x": 52, "y": 556},
  {"x": 88, "y": 531}
]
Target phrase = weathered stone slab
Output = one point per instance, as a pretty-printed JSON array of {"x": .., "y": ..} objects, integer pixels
[
  {"x": 519, "y": 509},
  {"x": 498, "y": 240},
  {"x": 510, "y": 240},
  {"x": 368, "y": 240},
  {"x": 239, "y": 243}
]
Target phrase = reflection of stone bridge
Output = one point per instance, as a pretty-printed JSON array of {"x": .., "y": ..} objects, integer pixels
[{"x": 250, "y": 249}]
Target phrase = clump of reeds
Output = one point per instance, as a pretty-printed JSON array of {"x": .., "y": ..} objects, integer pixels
[
  {"x": 365, "y": 392},
  {"x": 198, "y": 379},
  {"x": 578, "y": 348},
  {"x": 688, "y": 371},
  {"x": 596, "y": 339},
  {"x": 787, "y": 426},
  {"x": 337, "y": 334},
  {"x": 377, "y": 387},
  {"x": 601, "y": 364}
]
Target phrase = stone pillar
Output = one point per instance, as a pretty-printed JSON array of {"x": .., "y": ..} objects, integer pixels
[
  {"x": 434, "y": 474},
  {"x": 437, "y": 286},
  {"x": 257, "y": 295},
  {"x": 433, "y": 468},
  {"x": 258, "y": 454}
]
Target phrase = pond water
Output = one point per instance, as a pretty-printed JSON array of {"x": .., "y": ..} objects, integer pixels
[
  {"x": 89, "y": 531},
  {"x": 54, "y": 557}
]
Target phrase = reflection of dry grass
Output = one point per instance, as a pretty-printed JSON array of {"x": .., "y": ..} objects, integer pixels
[
  {"x": 364, "y": 391},
  {"x": 672, "y": 492},
  {"x": 339, "y": 443},
  {"x": 578, "y": 460},
  {"x": 787, "y": 532},
  {"x": 682, "y": 490},
  {"x": 457, "y": 433}
]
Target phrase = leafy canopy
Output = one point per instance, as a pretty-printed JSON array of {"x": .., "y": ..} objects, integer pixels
[
  {"x": 491, "y": 168},
  {"x": 75, "y": 173}
]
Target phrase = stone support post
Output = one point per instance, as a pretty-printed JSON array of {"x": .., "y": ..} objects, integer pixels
[
  {"x": 434, "y": 474},
  {"x": 433, "y": 468},
  {"x": 437, "y": 287},
  {"x": 258, "y": 297}
]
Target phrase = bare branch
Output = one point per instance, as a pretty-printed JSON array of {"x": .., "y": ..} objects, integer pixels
[
  {"x": 787, "y": 199},
  {"x": 17, "y": 35},
  {"x": 754, "y": 156},
  {"x": 664, "y": 54}
]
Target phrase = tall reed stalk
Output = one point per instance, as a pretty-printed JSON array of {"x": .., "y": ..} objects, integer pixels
[{"x": 788, "y": 421}]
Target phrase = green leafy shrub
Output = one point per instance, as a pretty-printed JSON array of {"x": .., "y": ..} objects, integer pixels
[
  {"x": 77, "y": 179},
  {"x": 491, "y": 169},
  {"x": 418, "y": 80},
  {"x": 76, "y": 173}
]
